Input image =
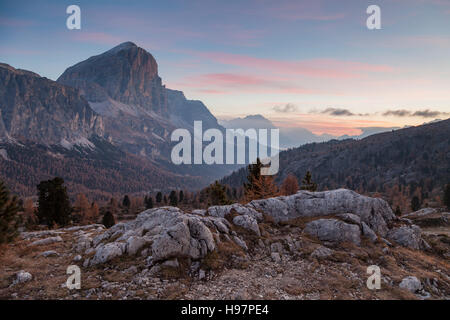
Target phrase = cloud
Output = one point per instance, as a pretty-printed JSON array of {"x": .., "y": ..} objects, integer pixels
[
  {"x": 287, "y": 108},
  {"x": 397, "y": 113},
  {"x": 420, "y": 113},
  {"x": 235, "y": 82},
  {"x": 427, "y": 113},
  {"x": 337, "y": 112},
  {"x": 317, "y": 68}
]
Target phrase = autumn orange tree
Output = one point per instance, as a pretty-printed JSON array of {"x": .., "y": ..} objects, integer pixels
[
  {"x": 259, "y": 186},
  {"x": 289, "y": 185}
]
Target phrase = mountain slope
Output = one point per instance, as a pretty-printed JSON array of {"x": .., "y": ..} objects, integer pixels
[
  {"x": 412, "y": 157},
  {"x": 42, "y": 110}
]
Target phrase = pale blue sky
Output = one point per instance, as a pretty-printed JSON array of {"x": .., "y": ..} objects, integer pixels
[{"x": 246, "y": 57}]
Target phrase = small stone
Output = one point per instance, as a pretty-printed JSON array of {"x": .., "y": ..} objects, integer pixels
[
  {"x": 49, "y": 253},
  {"x": 275, "y": 257},
  {"x": 77, "y": 258},
  {"x": 46, "y": 241},
  {"x": 322, "y": 253},
  {"x": 411, "y": 284},
  {"x": 22, "y": 277},
  {"x": 171, "y": 263},
  {"x": 201, "y": 274},
  {"x": 276, "y": 247}
]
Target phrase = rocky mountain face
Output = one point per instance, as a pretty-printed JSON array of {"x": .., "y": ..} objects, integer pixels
[
  {"x": 126, "y": 73},
  {"x": 123, "y": 86},
  {"x": 114, "y": 101},
  {"x": 41, "y": 110},
  {"x": 309, "y": 245}
]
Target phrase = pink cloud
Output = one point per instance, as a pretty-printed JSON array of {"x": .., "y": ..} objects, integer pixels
[
  {"x": 321, "y": 68},
  {"x": 232, "y": 82}
]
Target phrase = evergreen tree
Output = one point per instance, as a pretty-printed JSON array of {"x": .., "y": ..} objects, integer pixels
[
  {"x": 53, "y": 205},
  {"x": 447, "y": 196},
  {"x": 415, "y": 203},
  {"x": 181, "y": 196},
  {"x": 173, "y": 198},
  {"x": 307, "y": 183},
  {"x": 159, "y": 197},
  {"x": 398, "y": 212},
  {"x": 108, "y": 219},
  {"x": 9, "y": 220},
  {"x": 148, "y": 201},
  {"x": 259, "y": 186},
  {"x": 217, "y": 195},
  {"x": 126, "y": 202}
]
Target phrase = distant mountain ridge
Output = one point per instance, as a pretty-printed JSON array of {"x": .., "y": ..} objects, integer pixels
[
  {"x": 409, "y": 157},
  {"x": 292, "y": 137}
]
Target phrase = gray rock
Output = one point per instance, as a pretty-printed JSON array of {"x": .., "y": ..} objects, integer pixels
[
  {"x": 77, "y": 258},
  {"x": 322, "y": 253},
  {"x": 201, "y": 274},
  {"x": 107, "y": 252},
  {"x": 131, "y": 270},
  {"x": 276, "y": 247},
  {"x": 275, "y": 257},
  {"x": 240, "y": 243},
  {"x": 407, "y": 236},
  {"x": 134, "y": 244},
  {"x": 22, "y": 277},
  {"x": 171, "y": 263},
  {"x": 200, "y": 212},
  {"x": 49, "y": 253},
  {"x": 349, "y": 218},
  {"x": 411, "y": 284},
  {"x": 247, "y": 222},
  {"x": 46, "y": 241},
  {"x": 333, "y": 231},
  {"x": 368, "y": 232},
  {"x": 375, "y": 212},
  {"x": 222, "y": 211}
]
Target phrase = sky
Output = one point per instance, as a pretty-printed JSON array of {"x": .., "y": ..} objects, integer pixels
[{"x": 310, "y": 64}]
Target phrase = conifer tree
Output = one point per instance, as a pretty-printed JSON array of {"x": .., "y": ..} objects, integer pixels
[
  {"x": 148, "y": 201},
  {"x": 108, "y": 219},
  {"x": 447, "y": 196},
  {"x": 173, "y": 199},
  {"x": 159, "y": 197},
  {"x": 415, "y": 203},
  {"x": 259, "y": 186},
  {"x": 217, "y": 194},
  {"x": 126, "y": 202},
  {"x": 54, "y": 205},
  {"x": 9, "y": 220},
  {"x": 307, "y": 183}
]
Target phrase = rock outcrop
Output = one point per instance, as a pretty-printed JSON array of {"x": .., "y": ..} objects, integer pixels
[
  {"x": 168, "y": 233},
  {"x": 375, "y": 212}
]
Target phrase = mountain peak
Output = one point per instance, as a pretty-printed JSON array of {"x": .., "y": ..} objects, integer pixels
[
  {"x": 125, "y": 73},
  {"x": 123, "y": 46}
]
